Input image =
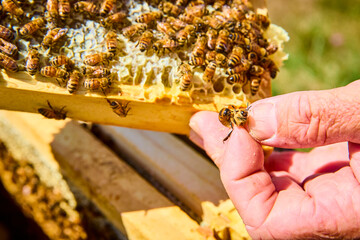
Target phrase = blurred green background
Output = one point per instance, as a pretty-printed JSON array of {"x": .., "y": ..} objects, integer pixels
[{"x": 324, "y": 44}]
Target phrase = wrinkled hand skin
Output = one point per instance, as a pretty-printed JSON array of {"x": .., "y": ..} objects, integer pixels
[{"x": 292, "y": 195}]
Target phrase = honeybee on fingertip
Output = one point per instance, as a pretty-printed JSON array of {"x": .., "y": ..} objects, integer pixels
[{"x": 232, "y": 116}]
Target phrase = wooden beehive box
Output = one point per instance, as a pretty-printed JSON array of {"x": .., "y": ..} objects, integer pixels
[{"x": 178, "y": 199}]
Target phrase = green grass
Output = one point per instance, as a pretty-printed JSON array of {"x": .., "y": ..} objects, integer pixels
[{"x": 324, "y": 45}]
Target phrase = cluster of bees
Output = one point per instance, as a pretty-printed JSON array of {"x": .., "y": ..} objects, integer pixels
[
  {"x": 214, "y": 34},
  {"x": 229, "y": 36},
  {"x": 49, "y": 202},
  {"x": 95, "y": 75}
]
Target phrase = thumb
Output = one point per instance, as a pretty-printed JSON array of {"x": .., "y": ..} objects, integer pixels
[{"x": 307, "y": 119}]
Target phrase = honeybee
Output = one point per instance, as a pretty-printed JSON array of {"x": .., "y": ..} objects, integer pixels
[
  {"x": 218, "y": 4},
  {"x": 190, "y": 19},
  {"x": 97, "y": 83},
  {"x": 148, "y": 17},
  {"x": 237, "y": 78},
  {"x": 235, "y": 56},
  {"x": 212, "y": 36},
  {"x": 256, "y": 70},
  {"x": 6, "y": 33},
  {"x": 253, "y": 57},
  {"x": 196, "y": 61},
  {"x": 88, "y": 7},
  {"x": 184, "y": 34},
  {"x": 214, "y": 22},
  {"x": 8, "y": 63},
  {"x": 106, "y": 7},
  {"x": 186, "y": 76},
  {"x": 175, "y": 23},
  {"x": 33, "y": 61},
  {"x": 268, "y": 64},
  {"x": 52, "y": 8},
  {"x": 97, "y": 59},
  {"x": 64, "y": 9},
  {"x": 220, "y": 59},
  {"x": 113, "y": 19},
  {"x": 197, "y": 10},
  {"x": 121, "y": 109},
  {"x": 271, "y": 49},
  {"x": 222, "y": 43},
  {"x": 52, "y": 36},
  {"x": 209, "y": 71},
  {"x": 236, "y": 38},
  {"x": 232, "y": 116},
  {"x": 145, "y": 41},
  {"x": 243, "y": 67},
  {"x": 112, "y": 43},
  {"x": 32, "y": 26},
  {"x": 254, "y": 47},
  {"x": 254, "y": 85},
  {"x": 73, "y": 83},
  {"x": 181, "y": 3},
  {"x": 53, "y": 113},
  {"x": 262, "y": 20},
  {"x": 13, "y": 8},
  {"x": 8, "y": 48},
  {"x": 165, "y": 44},
  {"x": 210, "y": 56},
  {"x": 134, "y": 30},
  {"x": 199, "y": 48},
  {"x": 50, "y": 71},
  {"x": 62, "y": 60},
  {"x": 166, "y": 28},
  {"x": 169, "y": 8},
  {"x": 97, "y": 72}
]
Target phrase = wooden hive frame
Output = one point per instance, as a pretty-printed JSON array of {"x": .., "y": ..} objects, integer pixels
[{"x": 20, "y": 92}]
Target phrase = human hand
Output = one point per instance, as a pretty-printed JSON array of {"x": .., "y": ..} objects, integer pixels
[{"x": 293, "y": 194}]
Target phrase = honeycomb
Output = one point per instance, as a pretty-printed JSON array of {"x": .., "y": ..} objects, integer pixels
[{"x": 141, "y": 76}]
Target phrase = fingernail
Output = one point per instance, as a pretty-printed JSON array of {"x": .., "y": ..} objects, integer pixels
[{"x": 262, "y": 121}]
